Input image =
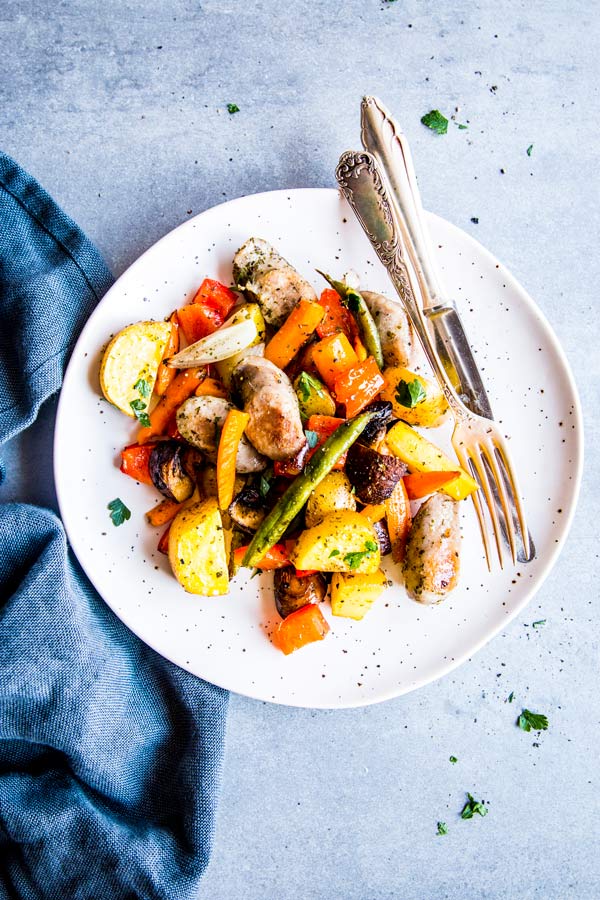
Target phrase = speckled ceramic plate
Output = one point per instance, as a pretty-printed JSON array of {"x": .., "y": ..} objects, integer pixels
[{"x": 401, "y": 644}]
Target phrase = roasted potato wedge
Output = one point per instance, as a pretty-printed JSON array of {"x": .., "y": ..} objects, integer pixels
[
  {"x": 197, "y": 551},
  {"x": 332, "y": 494},
  {"x": 343, "y": 542},
  {"x": 429, "y": 412},
  {"x": 133, "y": 356},
  {"x": 352, "y": 596}
]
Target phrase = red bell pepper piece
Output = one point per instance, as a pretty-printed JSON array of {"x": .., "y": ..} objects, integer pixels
[
  {"x": 358, "y": 386},
  {"x": 217, "y": 295},
  {"x": 337, "y": 317},
  {"x": 324, "y": 426},
  {"x": 302, "y": 627},
  {"x": 134, "y": 462},
  {"x": 275, "y": 558},
  {"x": 210, "y": 307}
]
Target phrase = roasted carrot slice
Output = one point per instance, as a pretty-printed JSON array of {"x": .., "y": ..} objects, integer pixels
[
  {"x": 294, "y": 333},
  {"x": 163, "y": 544},
  {"x": 182, "y": 387},
  {"x": 231, "y": 435},
  {"x": 163, "y": 512},
  {"x": 302, "y": 627},
  {"x": 211, "y": 387},
  {"x": 374, "y": 512},
  {"x": 166, "y": 374},
  {"x": 399, "y": 520},
  {"x": 420, "y": 484}
]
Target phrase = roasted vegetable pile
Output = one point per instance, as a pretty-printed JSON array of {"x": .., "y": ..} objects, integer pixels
[{"x": 279, "y": 428}]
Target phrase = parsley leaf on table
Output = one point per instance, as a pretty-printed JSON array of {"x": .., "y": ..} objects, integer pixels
[
  {"x": 232, "y": 108},
  {"x": 511, "y": 697},
  {"x": 529, "y": 150},
  {"x": 410, "y": 393},
  {"x": 453, "y": 759},
  {"x": 529, "y": 720},
  {"x": 436, "y": 121},
  {"x": 442, "y": 828},
  {"x": 118, "y": 511},
  {"x": 473, "y": 806},
  {"x": 538, "y": 624}
]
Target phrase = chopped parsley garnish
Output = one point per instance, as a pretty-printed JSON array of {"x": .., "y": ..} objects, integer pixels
[
  {"x": 334, "y": 553},
  {"x": 436, "y": 121},
  {"x": 511, "y": 697},
  {"x": 118, "y": 511},
  {"x": 529, "y": 150},
  {"x": 442, "y": 828},
  {"x": 529, "y": 720},
  {"x": 143, "y": 388},
  {"x": 453, "y": 759},
  {"x": 232, "y": 108},
  {"x": 312, "y": 437},
  {"x": 308, "y": 385},
  {"x": 355, "y": 558},
  {"x": 264, "y": 486},
  {"x": 410, "y": 393},
  {"x": 473, "y": 806},
  {"x": 139, "y": 409},
  {"x": 461, "y": 126},
  {"x": 538, "y": 624}
]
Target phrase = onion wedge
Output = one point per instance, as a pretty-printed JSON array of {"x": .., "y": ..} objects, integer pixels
[{"x": 214, "y": 347}]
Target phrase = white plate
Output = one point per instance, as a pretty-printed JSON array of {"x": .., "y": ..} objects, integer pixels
[{"x": 401, "y": 644}]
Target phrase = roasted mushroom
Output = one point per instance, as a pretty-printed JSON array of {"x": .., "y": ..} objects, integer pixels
[
  {"x": 168, "y": 473},
  {"x": 383, "y": 537},
  {"x": 376, "y": 429},
  {"x": 247, "y": 510},
  {"x": 294, "y": 591},
  {"x": 373, "y": 474}
]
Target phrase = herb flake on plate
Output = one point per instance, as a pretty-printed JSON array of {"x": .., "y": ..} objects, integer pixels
[{"x": 118, "y": 511}]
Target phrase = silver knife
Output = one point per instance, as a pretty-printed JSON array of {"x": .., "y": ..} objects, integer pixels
[
  {"x": 363, "y": 186},
  {"x": 382, "y": 137}
]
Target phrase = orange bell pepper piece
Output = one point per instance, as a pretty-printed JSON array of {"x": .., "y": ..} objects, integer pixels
[
  {"x": 337, "y": 318},
  {"x": 332, "y": 356},
  {"x": 134, "y": 462},
  {"x": 163, "y": 512},
  {"x": 294, "y": 333},
  {"x": 231, "y": 435},
  {"x": 166, "y": 374},
  {"x": 358, "y": 385},
  {"x": 182, "y": 387},
  {"x": 275, "y": 558},
  {"x": 420, "y": 484},
  {"x": 399, "y": 520},
  {"x": 374, "y": 512},
  {"x": 302, "y": 627}
]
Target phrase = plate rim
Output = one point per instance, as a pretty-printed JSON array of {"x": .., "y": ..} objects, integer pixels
[{"x": 566, "y": 522}]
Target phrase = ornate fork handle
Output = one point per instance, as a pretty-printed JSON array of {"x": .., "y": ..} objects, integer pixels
[{"x": 357, "y": 174}]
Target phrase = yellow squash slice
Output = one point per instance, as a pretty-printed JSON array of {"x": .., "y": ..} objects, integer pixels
[{"x": 133, "y": 355}]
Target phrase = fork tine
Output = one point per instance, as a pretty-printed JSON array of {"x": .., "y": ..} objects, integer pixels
[
  {"x": 490, "y": 459},
  {"x": 465, "y": 463},
  {"x": 484, "y": 482},
  {"x": 511, "y": 475}
]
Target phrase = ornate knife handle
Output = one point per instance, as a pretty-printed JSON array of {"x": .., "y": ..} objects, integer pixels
[{"x": 362, "y": 185}]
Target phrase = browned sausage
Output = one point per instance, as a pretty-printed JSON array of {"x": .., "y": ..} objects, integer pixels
[{"x": 432, "y": 561}]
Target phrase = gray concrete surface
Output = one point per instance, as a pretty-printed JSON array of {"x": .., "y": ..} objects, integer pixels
[{"x": 119, "y": 109}]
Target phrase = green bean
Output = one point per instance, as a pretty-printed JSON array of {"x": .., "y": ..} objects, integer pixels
[
  {"x": 366, "y": 323},
  {"x": 318, "y": 466}
]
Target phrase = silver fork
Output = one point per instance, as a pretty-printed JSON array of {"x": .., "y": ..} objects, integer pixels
[{"x": 477, "y": 441}]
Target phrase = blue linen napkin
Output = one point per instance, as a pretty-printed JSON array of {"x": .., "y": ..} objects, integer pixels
[{"x": 109, "y": 755}]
